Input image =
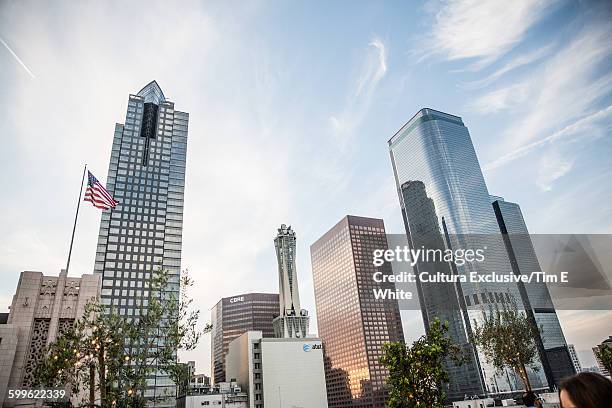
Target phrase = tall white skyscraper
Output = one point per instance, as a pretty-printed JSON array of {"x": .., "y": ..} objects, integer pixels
[
  {"x": 147, "y": 176},
  {"x": 292, "y": 320}
]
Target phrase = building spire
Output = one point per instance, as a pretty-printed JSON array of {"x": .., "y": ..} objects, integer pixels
[
  {"x": 152, "y": 93},
  {"x": 292, "y": 321}
]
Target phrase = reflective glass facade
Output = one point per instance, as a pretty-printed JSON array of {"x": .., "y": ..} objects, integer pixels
[
  {"x": 555, "y": 355},
  {"x": 147, "y": 176},
  {"x": 352, "y": 324},
  {"x": 434, "y": 150},
  {"x": 233, "y": 316}
]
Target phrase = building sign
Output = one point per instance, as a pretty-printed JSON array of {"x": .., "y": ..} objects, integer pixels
[{"x": 307, "y": 347}]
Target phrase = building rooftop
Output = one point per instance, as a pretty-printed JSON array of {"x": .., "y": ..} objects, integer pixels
[
  {"x": 424, "y": 115},
  {"x": 152, "y": 93}
]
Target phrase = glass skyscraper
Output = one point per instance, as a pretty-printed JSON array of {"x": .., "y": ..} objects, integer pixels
[
  {"x": 554, "y": 352},
  {"x": 352, "y": 323},
  {"x": 445, "y": 203},
  {"x": 144, "y": 232}
]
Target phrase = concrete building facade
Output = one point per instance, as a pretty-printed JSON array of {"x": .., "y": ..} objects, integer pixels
[
  {"x": 278, "y": 372},
  {"x": 292, "y": 321},
  {"x": 43, "y": 307}
]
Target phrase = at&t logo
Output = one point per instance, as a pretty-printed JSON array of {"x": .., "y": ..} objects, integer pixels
[{"x": 308, "y": 347}]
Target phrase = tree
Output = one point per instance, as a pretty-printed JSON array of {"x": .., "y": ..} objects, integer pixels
[
  {"x": 507, "y": 338},
  {"x": 604, "y": 354},
  {"x": 113, "y": 355},
  {"x": 417, "y": 373}
]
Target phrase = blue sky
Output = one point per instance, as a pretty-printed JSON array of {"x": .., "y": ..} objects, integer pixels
[{"x": 291, "y": 105}]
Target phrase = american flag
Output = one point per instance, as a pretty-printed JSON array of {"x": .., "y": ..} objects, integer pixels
[{"x": 97, "y": 194}]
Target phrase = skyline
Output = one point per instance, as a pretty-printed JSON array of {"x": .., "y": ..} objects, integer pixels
[{"x": 261, "y": 124}]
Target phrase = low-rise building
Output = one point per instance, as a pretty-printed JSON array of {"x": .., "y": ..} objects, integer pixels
[
  {"x": 199, "y": 384},
  {"x": 222, "y": 395},
  {"x": 278, "y": 372}
]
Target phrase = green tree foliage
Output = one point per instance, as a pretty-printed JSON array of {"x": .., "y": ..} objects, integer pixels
[
  {"x": 110, "y": 355},
  {"x": 604, "y": 354},
  {"x": 507, "y": 338},
  {"x": 417, "y": 373}
]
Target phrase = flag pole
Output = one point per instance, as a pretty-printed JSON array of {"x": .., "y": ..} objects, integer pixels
[{"x": 76, "y": 217}]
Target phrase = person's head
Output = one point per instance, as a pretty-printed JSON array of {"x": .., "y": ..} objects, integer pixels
[
  {"x": 529, "y": 399},
  {"x": 585, "y": 390}
]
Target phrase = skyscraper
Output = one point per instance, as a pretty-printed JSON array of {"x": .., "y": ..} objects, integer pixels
[
  {"x": 353, "y": 324},
  {"x": 557, "y": 359},
  {"x": 439, "y": 299},
  {"x": 292, "y": 321},
  {"x": 235, "y": 315},
  {"x": 147, "y": 176},
  {"x": 445, "y": 201}
]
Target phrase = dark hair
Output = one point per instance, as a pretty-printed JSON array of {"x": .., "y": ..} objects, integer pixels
[
  {"x": 588, "y": 390},
  {"x": 529, "y": 399}
]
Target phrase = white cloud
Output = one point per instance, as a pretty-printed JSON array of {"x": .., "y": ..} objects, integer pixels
[
  {"x": 566, "y": 87},
  {"x": 519, "y": 61},
  {"x": 589, "y": 126},
  {"x": 483, "y": 31},
  {"x": 372, "y": 71},
  {"x": 551, "y": 167},
  {"x": 501, "y": 99},
  {"x": 563, "y": 102}
]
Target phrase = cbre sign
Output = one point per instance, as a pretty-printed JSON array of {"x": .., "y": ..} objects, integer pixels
[{"x": 237, "y": 299}]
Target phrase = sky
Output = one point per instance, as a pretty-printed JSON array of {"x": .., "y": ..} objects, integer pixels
[{"x": 291, "y": 105}]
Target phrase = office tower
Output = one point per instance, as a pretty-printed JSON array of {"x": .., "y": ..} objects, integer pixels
[
  {"x": 574, "y": 356},
  {"x": 234, "y": 315},
  {"x": 43, "y": 308},
  {"x": 556, "y": 358},
  {"x": 439, "y": 299},
  {"x": 353, "y": 324},
  {"x": 445, "y": 201},
  {"x": 292, "y": 320},
  {"x": 144, "y": 232},
  {"x": 602, "y": 369}
]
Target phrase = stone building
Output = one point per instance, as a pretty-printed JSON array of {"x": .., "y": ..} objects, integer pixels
[{"x": 43, "y": 307}]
